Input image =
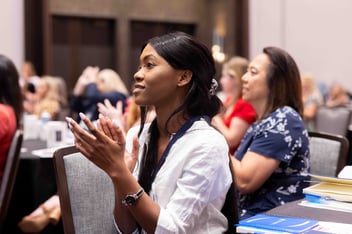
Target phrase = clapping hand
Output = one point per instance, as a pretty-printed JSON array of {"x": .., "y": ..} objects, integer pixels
[
  {"x": 114, "y": 113},
  {"x": 104, "y": 145}
]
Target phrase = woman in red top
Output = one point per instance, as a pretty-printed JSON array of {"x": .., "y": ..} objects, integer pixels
[
  {"x": 10, "y": 107},
  {"x": 237, "y": 114}
]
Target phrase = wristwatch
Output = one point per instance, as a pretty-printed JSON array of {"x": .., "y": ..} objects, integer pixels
[{"x": 130, "y": 199}]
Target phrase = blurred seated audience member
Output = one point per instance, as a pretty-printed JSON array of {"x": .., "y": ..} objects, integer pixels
[
  {"x": 323, "y": 89},
  {"x": 63, "y": 99},
  {"x": 94, "y": 86},
  {"x": 237, "y": 115},
  {"x": 62, "y": 91},
  {"x": 56, "y": 97},
  {"x": 46, "y": 99},
  {"x": 28, "y": 82},
  {"x": 312, "y": 99},
  {"x": 48, "y": 212},
  {"x": 337, "y": 96},
  {"x": 10, "y": 107},
  {"x": 28, "y": 76},
  {"x": 271, "y": 164}
]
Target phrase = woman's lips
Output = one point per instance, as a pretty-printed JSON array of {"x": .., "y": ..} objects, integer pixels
[{"x": 137, "y": 88}]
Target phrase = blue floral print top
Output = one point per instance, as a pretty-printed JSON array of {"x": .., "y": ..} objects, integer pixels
[{"x": 282, "y": 136}]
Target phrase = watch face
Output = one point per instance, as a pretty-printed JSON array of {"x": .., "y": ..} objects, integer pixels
[{"x": 130, "y": 200}]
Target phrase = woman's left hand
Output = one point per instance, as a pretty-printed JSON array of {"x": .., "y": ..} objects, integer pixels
[{"x": 109, "y": 127}]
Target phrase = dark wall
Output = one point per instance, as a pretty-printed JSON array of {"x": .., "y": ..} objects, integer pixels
[{"x": 64, "y": 36}]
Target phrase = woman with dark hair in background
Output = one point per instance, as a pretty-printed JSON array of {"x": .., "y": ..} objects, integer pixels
[
  {"x": 10, "y": 107},
  {"x": 272, "y": 161},
  {"x": 182, "y": 177}
]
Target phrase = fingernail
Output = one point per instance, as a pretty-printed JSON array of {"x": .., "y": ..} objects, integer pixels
[
  {"x": 83, "y": 116},
  {"x": 69, "y": 122},
  {"x": 115, "y": 123}
]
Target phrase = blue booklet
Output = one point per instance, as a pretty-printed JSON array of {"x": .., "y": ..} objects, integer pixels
[{"x": 278, "y": 224}]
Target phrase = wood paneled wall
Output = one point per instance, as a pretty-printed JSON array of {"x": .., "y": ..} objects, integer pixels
[{"x": 206, "y": 15}]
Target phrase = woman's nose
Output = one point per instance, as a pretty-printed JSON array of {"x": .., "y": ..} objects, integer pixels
[
  {"x": 244, "y": 77},
  {"x": 138, "y": 76}
]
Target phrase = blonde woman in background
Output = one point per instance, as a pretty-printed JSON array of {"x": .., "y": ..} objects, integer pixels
[
  {"x": 237, "y": 115},
  {"x": 109, "y": 81},
  {"x": 94, "y": 86},
  {"x": 46, "y": 98},
  {"x": 312, "y": 99},
  {"x": 337, "y": 96},
  {"x": 62, "y": 91}
]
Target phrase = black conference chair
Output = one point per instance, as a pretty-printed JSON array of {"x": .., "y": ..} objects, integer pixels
[{"x": 10, "y": 173}]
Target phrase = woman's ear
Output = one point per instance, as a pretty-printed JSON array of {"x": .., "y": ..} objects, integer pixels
[{"x": 185, "y": 78}]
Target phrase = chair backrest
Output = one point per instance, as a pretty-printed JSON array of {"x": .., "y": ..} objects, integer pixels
[
  {"x": 328, "y": 153},
  {"x": 86, "y": 193},
  {"x": 10, "y": 173},
  {"x": 333, "y": 120}
]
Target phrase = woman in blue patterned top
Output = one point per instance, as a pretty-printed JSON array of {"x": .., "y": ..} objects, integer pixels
[{"x": 272, "y": 161}]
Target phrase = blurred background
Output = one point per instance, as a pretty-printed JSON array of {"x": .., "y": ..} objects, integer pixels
[{"x": 61, "y": 37}]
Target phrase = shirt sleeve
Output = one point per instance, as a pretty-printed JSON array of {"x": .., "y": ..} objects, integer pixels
[
  {"x": 278, "y": 138},
  {"x": 244, "y": 111},
  {"x": 5, "y": 125}
]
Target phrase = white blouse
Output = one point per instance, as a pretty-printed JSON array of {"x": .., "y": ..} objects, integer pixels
[{"x": 191, "y": 185}]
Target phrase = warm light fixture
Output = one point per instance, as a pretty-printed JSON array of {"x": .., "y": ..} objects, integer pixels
[{"x": 218, "y": 47}]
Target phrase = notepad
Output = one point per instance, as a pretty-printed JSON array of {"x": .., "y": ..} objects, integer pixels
[
  {"x": 263, "y": 223},
  {"x": 331, "y": 188}
]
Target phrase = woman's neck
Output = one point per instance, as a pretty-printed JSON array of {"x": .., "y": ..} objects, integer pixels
[
  {"x": 260, "y": 108},
  {"x": 173, "y": 125}
]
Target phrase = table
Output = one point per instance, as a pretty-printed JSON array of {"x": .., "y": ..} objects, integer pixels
[
  {"x": 35, "y": 183},
  {"x": 295, "y": 210}
]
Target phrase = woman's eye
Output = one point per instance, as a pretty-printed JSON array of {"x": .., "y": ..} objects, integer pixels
[
  {"x": 146, "y": 65},
  {"x": 253, "y": 72},
  {"x": 150, "y": 65}
]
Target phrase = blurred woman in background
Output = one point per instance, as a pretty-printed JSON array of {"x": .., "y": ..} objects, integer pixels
[
  {"x": 10, "y": 107},
  {"x": 46, "y": 100},
  {"x": 312, "y": 99},
  {"x": 237, "y": 115},
  {"x": 94, "y": 86},
  {"x": 337, "y": 96}
]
